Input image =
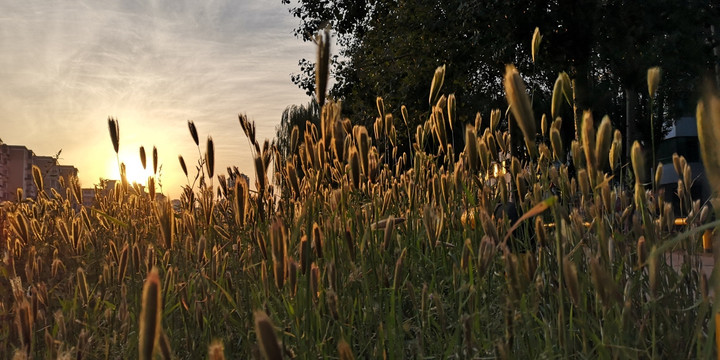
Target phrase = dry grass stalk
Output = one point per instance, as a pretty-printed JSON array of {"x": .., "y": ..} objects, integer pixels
[
  {"x": 83, "y": 285},
  {"x": 164, "y": 345},
  {"x": 317, "y": 240},
  {"x": 150, "y": 315}
]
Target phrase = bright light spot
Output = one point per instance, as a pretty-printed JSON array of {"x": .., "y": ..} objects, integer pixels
[{"x": 133, "y": 170}]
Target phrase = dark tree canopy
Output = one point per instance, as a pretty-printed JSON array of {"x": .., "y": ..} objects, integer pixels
[{"x": 391, "y": 48}]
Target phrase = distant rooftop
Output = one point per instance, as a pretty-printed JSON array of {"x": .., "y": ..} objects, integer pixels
[{"x": 684, "y": 126}]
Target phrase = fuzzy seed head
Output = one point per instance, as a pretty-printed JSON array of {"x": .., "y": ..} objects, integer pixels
[
  {"x": 322, "y": 67},
  {"x": 653, "y": 80},
  {"x": 603, "y": 141},
  {"x": 344, "y": 351},
  {"x": 437, "y": 83},
  {"x": 142, "y": 157},
  {"x": 536, "y": 39},
  {"x": 194, "y": 132},
  {"x": 150, "y": 315},
  {"x": 209, "y": 157},
  {"x": 267, "y": 339},
  {"x": 114, "y": 133},
  {"x": 155, "y": 160},
  {"x": 638, "y": 162},
  {"x": 708, "y": 124},
  {"x": 520, "y": 105}
]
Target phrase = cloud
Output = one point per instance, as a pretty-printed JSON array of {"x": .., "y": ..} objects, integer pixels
[{"x": 66, "y": 66}]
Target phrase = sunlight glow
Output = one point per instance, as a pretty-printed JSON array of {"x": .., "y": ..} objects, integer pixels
[{"x": 133, "y": 169}]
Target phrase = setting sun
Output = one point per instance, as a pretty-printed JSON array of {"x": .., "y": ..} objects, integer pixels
[{"x": 133, "y": 170}]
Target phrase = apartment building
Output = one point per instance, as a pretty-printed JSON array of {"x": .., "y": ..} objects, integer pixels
[{"x": 16, "y": 162}]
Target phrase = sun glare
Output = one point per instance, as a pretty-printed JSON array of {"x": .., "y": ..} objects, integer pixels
[{"x": 133, "y": 170}]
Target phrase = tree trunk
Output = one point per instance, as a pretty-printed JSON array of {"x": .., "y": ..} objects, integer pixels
[{"x": 631, "y": 99}]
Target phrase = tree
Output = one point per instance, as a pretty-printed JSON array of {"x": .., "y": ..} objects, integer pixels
[
  {"x": 295, "y": 115},
  {"x": 390, "y": 49}
]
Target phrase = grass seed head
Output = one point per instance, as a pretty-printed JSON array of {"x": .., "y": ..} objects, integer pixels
[
  {"x": 535, "y": 47},
  {"x": 354, "y": 168},
  {"x": 143, "y": 160},
  {"x": 708, "y": 124},
  {"x": 193, "y": 132},
  {"x": 641, "y": 251},
  {"x": 114, "y": 127},
  {"x": 494, "y": 119},
  {"x": 38, "y": 178},
  {"x": 182, "y": 165},
  {"x": 603, "y": 142},
  {"x": 556, "y": 142},
  {"x": 588, "y": 140},
  {"x": 658, "y": 174},
  {"x": 452, "y": 109},
  {"x": 344, "y": 350},
  {"x": 315, "y": 280},
  {"x": 322, "y": 67},
  {"x": 638, "y": 162},
  {"x": 216, "y": 350},
  {"x": 150, "y": 315},
  {"x": 267, "y": 339},
  {"x": 437, "y": 83},
  {"x": 653, "y": 80},
  {"x": 520, "y": 106},
  {"x": 155, "y": 160},
  {"x": 210, "y": 157},
  {"x": 471, "y": 148},
  {"x": 560, "y": 93},
  {"x": 571, "y": 280}
]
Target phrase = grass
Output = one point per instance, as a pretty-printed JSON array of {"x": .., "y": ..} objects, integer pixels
[{"x": 346, "y": 249}]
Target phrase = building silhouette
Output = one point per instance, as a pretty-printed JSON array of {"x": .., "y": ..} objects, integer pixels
[{"x": 16, "y": 163}]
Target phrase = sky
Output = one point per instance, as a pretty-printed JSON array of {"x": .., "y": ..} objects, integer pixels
[{"x": 66, "y": 66}]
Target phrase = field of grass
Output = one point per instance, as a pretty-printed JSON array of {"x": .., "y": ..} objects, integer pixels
[{"x": 345, "y": 249}]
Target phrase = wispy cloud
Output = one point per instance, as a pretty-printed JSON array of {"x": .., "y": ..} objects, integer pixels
[{"x": 66, "y": 66}]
